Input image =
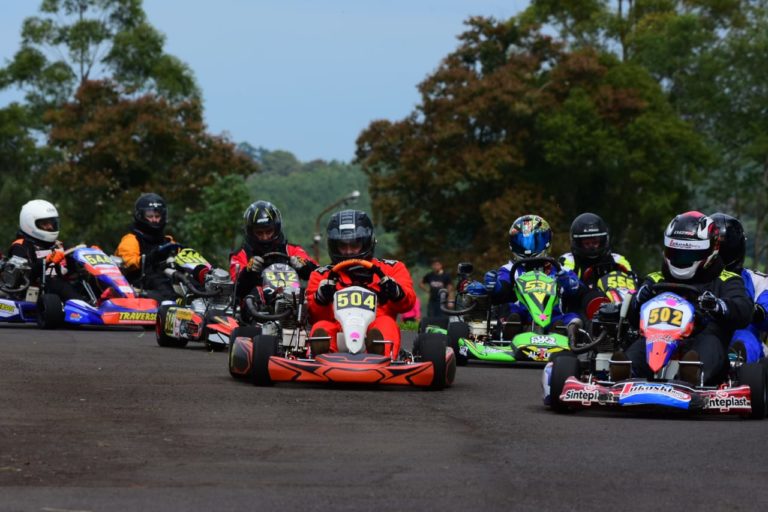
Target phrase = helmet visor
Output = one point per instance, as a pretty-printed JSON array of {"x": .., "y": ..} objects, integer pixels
[
  {"x": 48, "y": 224},
  {"x": 531, "y": 243},
  {"x": 684, "y": 258}
]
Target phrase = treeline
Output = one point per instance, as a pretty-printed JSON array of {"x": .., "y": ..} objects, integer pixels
[{"x": 635, "y": 109}]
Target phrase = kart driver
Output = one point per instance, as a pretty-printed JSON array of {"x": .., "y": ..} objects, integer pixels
[
  {"x": 351, "y": 236},
  {"x": 691, "y": 256},
  {"x": 263, "y": 233},
  {"x": 37, "y": 242},
  {"x": 147, "y": 238}
]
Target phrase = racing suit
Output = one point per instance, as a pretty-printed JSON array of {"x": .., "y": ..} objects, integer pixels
[
  {"x": 247, "y": 281},
  {"x": 35, "y": 252},
  {"x": 711, "y": 335},
  {"x": 386, "y": 312},
  {"x": 154, "y": 282},
  {"x": 756, "y": 284}
]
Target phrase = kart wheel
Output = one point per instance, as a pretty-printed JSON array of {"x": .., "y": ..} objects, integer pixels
[
  {"x": 435, "y": 321},
  {"x": 753, "y": 375},
  {"x": 457, "y": 330},
  {"x": 432, "y": 347},
  {"x": 50, "y": 312},
  {"x": 264, "y": 347},
  {"x": 563, "y": 367},
  {"x": 247, "y": 331},
  {"x": 163, "y": 339}
]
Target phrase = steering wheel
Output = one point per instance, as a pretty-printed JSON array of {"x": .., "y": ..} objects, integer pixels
[
  {"x": 544, "y": 260},
  {"x": 343, "y": 266},
  {"x": 278, "y": 257},
  {"x": 686, "y": 290}
]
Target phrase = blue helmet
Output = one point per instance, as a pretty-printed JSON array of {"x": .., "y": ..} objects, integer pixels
[{"x": 529, "y": 237}]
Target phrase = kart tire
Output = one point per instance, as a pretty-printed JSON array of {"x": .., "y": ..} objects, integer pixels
[
  {"x": 50, "y": 312},
  {"x": 432, "y": 348},
  {"x": 754, "y": 376},
  {"x": 436, "y": 321},
  {"x": 458, "y": 330},
  {"x": 563, "y": 366},
  {"x": 247, "y": 331},
  {"x": 163, "y": 339},
  {"x": 264, "y": 347}
]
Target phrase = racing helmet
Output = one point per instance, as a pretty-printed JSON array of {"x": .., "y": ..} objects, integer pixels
[
  {"x": 691, "y": 242},
  {"x": 150, "y": 203},
  {"x": 350, "y": 229},
  {"x": 590, "y": 238},
  {"x": 39, "y": 219},
  {"x": 529, "y": 237},
  {"x": 263, "y": 226},
  {"x": 733, "y": 241}
]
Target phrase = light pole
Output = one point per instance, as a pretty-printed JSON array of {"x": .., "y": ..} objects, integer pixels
[{"x": 349, "y": 198}]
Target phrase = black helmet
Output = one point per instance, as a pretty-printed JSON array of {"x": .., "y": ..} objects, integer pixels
[
  {"x": 590, "y": 238},
  {"x": 349, "y": 227},
  {"x": 733, "y": 241},
  {"x": 147, "y": 203},
  {"x": 260, "y": 216},
  {"x": 691, "y": 242}
]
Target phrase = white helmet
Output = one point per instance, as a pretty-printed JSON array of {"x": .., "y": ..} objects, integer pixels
[{"x": 31, "y": 216}]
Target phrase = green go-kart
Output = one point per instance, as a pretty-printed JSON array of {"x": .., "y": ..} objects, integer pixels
[{"x": 476, "y": 329}]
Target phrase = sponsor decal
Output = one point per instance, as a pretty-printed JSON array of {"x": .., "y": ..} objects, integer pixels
[
  {"x": 183, "y": 314},
  {"x": 638, "y": 388},
  {"x": 7, "y": 309},
  {"x": 543, "y": 340},
  {"x": 75, "y": 316},
  {"x": 137, "y": 316},
  {"x": 586, "y": 395},
  {"x": 674, "y": 243},
  {"x": 725, "y": 402}
]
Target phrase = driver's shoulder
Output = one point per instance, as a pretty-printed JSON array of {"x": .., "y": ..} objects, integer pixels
[
  {"x": 387, "y": 262},
  {"x": 322, "y": 270}
]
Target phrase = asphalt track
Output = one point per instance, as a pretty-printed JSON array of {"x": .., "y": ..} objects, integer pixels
[{"x": 95, "y": 421}]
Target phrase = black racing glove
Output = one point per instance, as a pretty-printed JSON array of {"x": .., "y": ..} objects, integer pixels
[
  {"x": 758, "y": 316},
  {"x": 390, "y": 290},
  {"x": 643, "y": 295},
  {"x": 713, "y": 306},
  {"x": 324, "y": 293},
  {"x": 160, "y": 253}
]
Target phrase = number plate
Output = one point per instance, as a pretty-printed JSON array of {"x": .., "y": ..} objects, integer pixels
[{"x": 362, "y": 299}]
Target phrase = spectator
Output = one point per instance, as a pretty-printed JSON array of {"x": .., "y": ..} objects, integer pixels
[{"x": 434, "y": 282}]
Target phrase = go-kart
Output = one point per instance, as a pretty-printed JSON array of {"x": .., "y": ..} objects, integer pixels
[
  {"x": 475, "y": 331},
  {"x": 111, "y": 299},
  {"x": 206, "y": 310},
  {"x": 18, "y": 300},
  {"x": 264, "y": 360},
  {"x": 276, "y": 307},
  {"x": 666, "y": 322}
]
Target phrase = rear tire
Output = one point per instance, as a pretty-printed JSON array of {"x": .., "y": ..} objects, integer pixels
[
  {"x": 163, "y": 339},
  {"x": 432, "y": 347},
  {"x": 50, "y": 312},
  {"x": 754, "y": 376},
  {"x": 458, "y": 330},
  {"x": 264, "y": 347},
  {"x": 563, "y": 367}
]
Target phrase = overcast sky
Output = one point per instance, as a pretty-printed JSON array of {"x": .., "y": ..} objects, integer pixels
[{"x": 300, "y": 75}]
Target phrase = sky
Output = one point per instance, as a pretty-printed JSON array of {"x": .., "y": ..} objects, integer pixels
[{"x": 305, "y": 76}]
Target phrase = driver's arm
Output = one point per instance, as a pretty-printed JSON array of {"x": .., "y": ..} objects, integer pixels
[
  {"x": 740, "y": 305},
  {"x": 399, "y": 272},
  {"x": 130, "y": 252},
  {"x": 317, "y": 311}
]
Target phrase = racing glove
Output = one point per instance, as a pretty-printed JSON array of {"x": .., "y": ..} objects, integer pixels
[
  {"x": 390, "y": 290},
  {"x": 643, "y": 295},
  {"x": 161, "y": 252},
  {"x": 490, "y": 280},
  {"x": 713, "y": 306},
  {"x": 324, "y": 293},
  {"x": 758, "y": 316},
  {"x": 55, "y": 257},
  {"x": 566, "y": 281},
  {"x": 255, "y": 264},
  {"x": 297, "y": 262}
]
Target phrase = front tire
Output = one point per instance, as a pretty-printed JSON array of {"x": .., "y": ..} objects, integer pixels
[
  {"x": 162, "y": 338},
  {"x": 50, "y": 312},
  {"x": 754, "y": 376},
  {"x": 264, "y": 347},
  {"x": 246, "y": 331},
  {"x": 563, "y": 367},
  {"x": 458, "y": 330}
]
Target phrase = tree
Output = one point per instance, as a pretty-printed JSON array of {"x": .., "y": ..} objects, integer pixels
[
  {"x": 122, "y": 146},
  {"x": 73, "y": 41},
  {"x": 512, "y": 113}
]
